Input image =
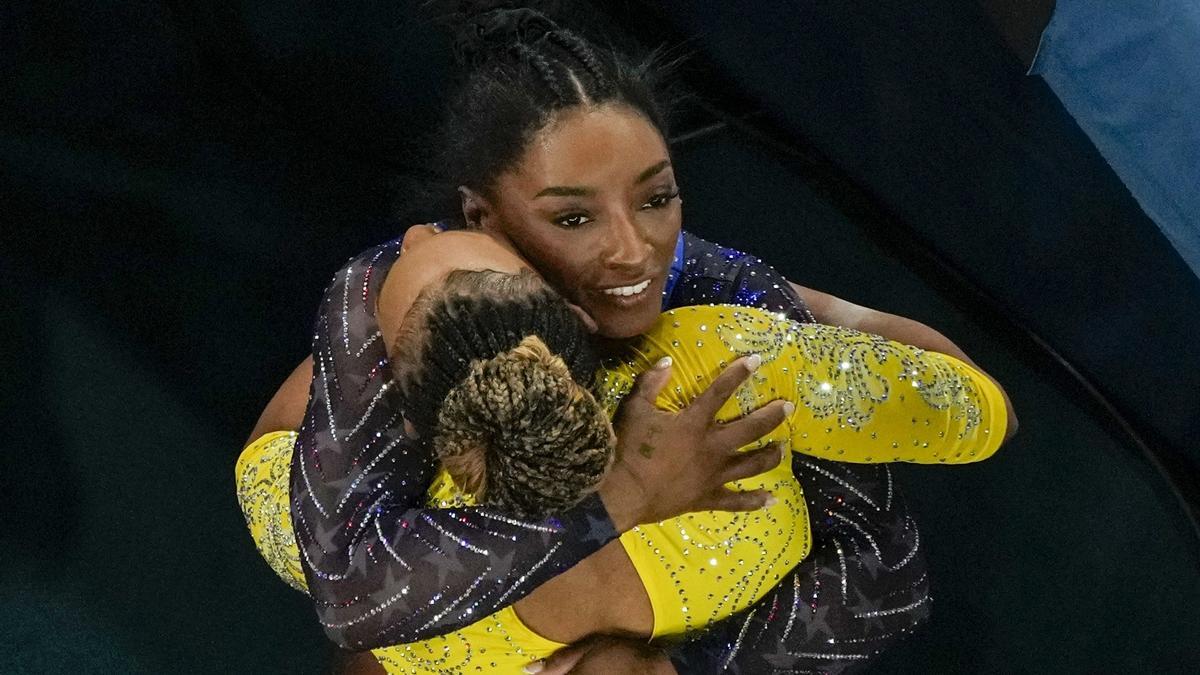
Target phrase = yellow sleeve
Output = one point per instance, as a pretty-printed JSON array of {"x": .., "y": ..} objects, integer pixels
[
  {"x": 862, "y": 398},
  {"x": 859, "y": 397},
  {"x": 262, "y": 473}
]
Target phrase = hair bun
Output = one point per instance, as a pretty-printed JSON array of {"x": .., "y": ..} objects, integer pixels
[
  {"x": 521, "y": 435},
  {"x": 493, "y": 33}
]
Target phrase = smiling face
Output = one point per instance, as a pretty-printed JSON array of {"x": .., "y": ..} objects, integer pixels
[{"x": 593, "y": 205}]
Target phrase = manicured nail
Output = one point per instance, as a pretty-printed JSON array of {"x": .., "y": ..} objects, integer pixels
[
  {"x": 771, "y": 501},
  {"x": 663, "y": 363},
  {"x": 753, "y": 362},
  {"x": 535, "y": 667},
  {"x": 789, "y": 408}
]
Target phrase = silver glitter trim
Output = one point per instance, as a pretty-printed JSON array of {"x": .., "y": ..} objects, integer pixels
[
  {"x": 388, "y": 547},
  {"x": 453, "y": 537},
  {"x": 346, "y": 309},
  {"x": 525, "y": 577},
  {"x": 888, "y": 502},
  {"x": 370, "y": 341},
  {"x": 328, "y": 576},
  {"x": 842, "y": 561},
  {"x": 866, "y": 535},
  {"x": 312, "y": 496},
  {"x": 787, "y": 628},
  {"x": 829, "y": 657},
  {"x": 895, "y": 610},
  {"x": 841, "y": 482},
  {"x": 519, "y": 523},
  {"x": 737, "y": 644},
  {"x": 383, "y": 389},
  {"x": 457, "y": 601},
  {"x": 371, "y": 612},
  {"x": 363, "y": 474}
]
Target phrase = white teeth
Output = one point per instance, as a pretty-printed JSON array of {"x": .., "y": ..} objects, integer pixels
[{"x": 627, "y": 290}]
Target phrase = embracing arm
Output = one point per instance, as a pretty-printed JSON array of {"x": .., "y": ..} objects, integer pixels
[
  {"x": 829, "y": 309},
  {"x": 285, "y": 410},
  {"x": 382, "y": 567}
]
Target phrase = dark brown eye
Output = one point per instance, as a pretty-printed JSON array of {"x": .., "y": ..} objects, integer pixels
[
  {"x": 572, "y": 220},
  {"x": 660, "y": 200}
]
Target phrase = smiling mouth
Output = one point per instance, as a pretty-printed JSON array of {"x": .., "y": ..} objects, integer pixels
[{"x": 627, "y": 291}]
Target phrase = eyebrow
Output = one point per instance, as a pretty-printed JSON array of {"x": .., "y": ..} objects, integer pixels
[{"x": 574, "y": 191}]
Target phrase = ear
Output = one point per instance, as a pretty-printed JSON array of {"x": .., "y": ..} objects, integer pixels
[{"x": 477, "y": 210}]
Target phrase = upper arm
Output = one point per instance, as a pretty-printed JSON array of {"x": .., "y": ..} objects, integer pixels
[
  {"x": 832, "y": 310},
  {"x": 285, "y": 411}
]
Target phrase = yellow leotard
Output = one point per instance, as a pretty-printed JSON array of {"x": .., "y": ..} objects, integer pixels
[{"x": 859, "y": 398}]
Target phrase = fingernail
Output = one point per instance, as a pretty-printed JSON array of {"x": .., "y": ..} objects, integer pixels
[
  {"x": 535, "y": 667},
  {"x": 663, "y": 363},
  {"x": 771, "y": 501},
  {"x": 753, "y": 362},
  {"x": 789, "y": 408}
]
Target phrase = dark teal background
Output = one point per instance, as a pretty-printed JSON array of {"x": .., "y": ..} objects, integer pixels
[{"x": 179, "y": 181}]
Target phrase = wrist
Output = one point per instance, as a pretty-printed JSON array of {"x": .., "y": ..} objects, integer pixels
[{"x": 623, "y": 497}]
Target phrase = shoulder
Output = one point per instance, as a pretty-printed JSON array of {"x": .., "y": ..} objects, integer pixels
[
  {"x": 366, "y": 270},
  {"x": 712, "y": 273}
]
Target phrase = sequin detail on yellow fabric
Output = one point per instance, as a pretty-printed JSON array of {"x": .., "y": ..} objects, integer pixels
[
  {"x": 500, "y": 641},
  {"x": 939, "y": 410},
  {"x": 263, "y": 475}
]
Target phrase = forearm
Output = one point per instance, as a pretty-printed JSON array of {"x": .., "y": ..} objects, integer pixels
[
  {"x": 567, "y": 608},
  {"x": 834, "y": 311},
  {"x": 285, "y": 410}
]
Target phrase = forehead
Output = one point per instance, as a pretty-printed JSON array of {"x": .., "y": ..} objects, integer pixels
[{"x": 591, "y": 145}]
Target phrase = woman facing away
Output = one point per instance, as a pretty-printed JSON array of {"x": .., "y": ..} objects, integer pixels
[
  {"x": 495, "y": 370},
  {"x": 558, "y": 148}
]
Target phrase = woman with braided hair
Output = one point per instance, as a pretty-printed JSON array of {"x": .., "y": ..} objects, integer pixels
[
  {"x": 562, "y": 157},
  {"x": 522, "y": 429}
]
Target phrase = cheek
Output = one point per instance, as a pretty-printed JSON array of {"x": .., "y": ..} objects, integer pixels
[
  {"x": 564, "y": 261},
  {"x": 567, "y": 263}
]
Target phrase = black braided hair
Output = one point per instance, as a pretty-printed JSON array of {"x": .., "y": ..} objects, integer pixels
[
  {"x": 475, "y": 315},
  {"x": 493, "y": 370},
  {"x": 520, "y": 69}
]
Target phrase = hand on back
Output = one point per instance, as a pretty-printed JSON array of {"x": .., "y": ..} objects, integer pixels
[{"x": 669, "y": 464}]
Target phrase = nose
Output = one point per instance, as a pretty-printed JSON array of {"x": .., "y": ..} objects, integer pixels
[{"x": 626, "y": 245}]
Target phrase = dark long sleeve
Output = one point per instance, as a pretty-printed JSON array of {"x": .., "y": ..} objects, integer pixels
[
  {"x": 383, "y": 568},
  {"x": 864, "y": 586}
]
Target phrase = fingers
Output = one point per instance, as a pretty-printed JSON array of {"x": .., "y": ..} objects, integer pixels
[
  {"x": 560, "y": 662},
  {"x": 754, "y": 426},
  {"x": 417, "y": 234},
  {"x": 729, "y": 500},
  {"x": 651, "y": 382},
  {"x": 752, "y": 463},
  {"x": 707, "y": 404}
]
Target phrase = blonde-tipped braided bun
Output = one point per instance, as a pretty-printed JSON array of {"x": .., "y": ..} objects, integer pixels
[
  {"x": 521, "y": 435},
  {"x": 493, "y": 370}
]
